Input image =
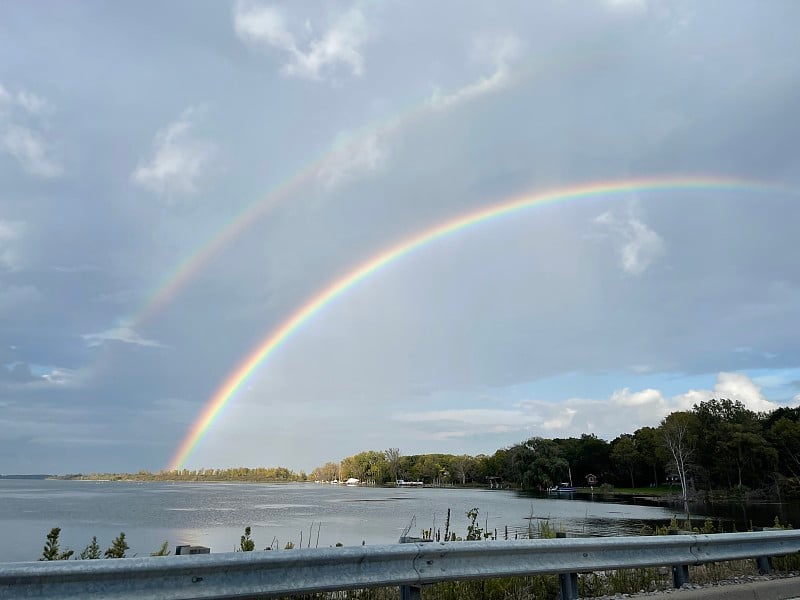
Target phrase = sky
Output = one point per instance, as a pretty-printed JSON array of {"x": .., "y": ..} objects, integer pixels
[{"x": 177, "y": 179}]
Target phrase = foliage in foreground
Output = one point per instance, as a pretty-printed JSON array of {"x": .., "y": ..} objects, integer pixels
[
  {"x": 51, "y": 549},
  {"x": 593, "y": 584}
]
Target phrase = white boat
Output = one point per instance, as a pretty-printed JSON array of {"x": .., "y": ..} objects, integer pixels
[
  {"x": 562, "y": 488},
  {"x": 352, "y": 482},
  {"x": 403, "y": 483}
]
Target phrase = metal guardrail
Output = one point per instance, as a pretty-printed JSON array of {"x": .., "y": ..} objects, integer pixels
[{"x": 252, "y": 574}]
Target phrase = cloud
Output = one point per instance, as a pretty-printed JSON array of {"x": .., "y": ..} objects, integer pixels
[
  {"x": 623, "y": 412},
  {"x": 82, "y": 268},
  {"x": 560, "y": 421},
  {"x": 339, "y": 46},
  {"x": 10, "y": 231},
  {"x": 650, "y": 396},
  {"x": 27, "y": 101},
  {"x": 27, "y": 145},
  {"x": 6, "y": 100},
  {"x": 638, "y": 245},
  {"x": 500, "y": 52},
  {"x": 60, "y": 376},
  {"x": 354, "y": 158},
  {"x": 123, "y": 334},
  {"x": 470, "y": 416},
  {"x": 368, "y": 153},
  {"x": 33, "y": 104},
  {"x": 179, "y": 159},
  {"x": 737, "y": 386},
  {"x": 31, "y": 151}
]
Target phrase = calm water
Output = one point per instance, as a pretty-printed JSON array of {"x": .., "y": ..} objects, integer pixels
[{"x": 215, "y": 515}]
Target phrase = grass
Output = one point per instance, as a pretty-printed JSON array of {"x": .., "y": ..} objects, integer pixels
[{"x": 662, "y": 490}]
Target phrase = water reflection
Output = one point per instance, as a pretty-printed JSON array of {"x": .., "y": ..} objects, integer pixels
[{"x": 215, "y": 515}]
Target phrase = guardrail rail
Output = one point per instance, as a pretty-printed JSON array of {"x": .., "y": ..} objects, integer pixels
[{"x": 408, "y": 566}]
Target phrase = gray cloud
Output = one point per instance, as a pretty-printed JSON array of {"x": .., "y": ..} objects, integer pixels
[{"x": 542, "y": 321}]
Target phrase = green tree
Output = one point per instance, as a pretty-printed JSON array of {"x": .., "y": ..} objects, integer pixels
[
  {"x": 92, "y": 550},
  {"x": 162, "y": 551},
  {"x": 585, "y": 455},
  {"x": 245, "y": 543},
  {"x": 784, "y": 434},
  {"x": 464, "y": 467},
  {"x": 538, "y": 463},
  {"x": 733, "y": 448},
  {"x": 392, "y": 457},
  {"x": 650, "y": 444},
  {"x": 118, "y": 547},
  {"x": 51, "y": 549},
  {"x": 625, "y": 455}
]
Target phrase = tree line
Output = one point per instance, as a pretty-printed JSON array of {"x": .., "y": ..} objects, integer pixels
[
  {"x": 717, "y": 445},
  {"x": 257, "y": 474}
]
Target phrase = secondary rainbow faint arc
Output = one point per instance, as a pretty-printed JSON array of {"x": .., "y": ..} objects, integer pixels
[
  {"x": 317, "y": 302},
  {"x": 190, "y": 266}
]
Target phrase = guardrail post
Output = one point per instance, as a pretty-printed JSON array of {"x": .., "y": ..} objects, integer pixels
[
  {"x": 680, "y": 573},
  {"x": 763, "y": 563},
  {"x": 411, "y": 592},
  {"x": 568, "y": 581}
]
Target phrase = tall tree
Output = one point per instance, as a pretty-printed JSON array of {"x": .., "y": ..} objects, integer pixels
[
  {"x": 650, "y": 444},
  {"x": 538, "y": 463},
  {"x": 51, "y": 549},
  {"x": 678, "y": 431},
  {"x": 118, "y": 547},
  {"x": 625, "y": 455},
  {"x": 246, "y": 544},
  {"x": 392, "y": 457},
  {"x": 463, "y": 466},
  {"x": 92, "y": 550},
  {"x": 162, "y": 551}
]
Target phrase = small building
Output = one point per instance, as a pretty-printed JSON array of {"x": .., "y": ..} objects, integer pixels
[
  {"x": 494, "y": 482},
  {"x": 673, "y": 480},
  {"x": 186, "y": 550},
  {"x": 591, "y": 480}
]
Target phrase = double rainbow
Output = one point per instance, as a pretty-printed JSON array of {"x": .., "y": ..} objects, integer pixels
[{"x": 332, "y": 291}]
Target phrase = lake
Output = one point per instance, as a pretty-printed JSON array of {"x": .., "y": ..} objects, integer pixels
[{"x": 215, "y": 514}]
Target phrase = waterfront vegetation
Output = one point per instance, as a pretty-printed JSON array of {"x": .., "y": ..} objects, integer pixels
[
  {"x": 718, "y": 450},
  {"x": 592, "y": 584}
]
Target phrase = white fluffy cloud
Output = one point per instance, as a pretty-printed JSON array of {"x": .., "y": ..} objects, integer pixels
[
  {"x": 20, "y": 132},
  {"x": 734, "y": 386},
  {"x": 123, "y": 333},
  {"x": 24, "y": 99},
  {"x": 638, "y": 246},
  {"x": 499, "y": 52},
  {"x": 179, "y": 159},
  {"x": 340, "y": 46},
  {"x": 353, "y": 158},
  {"x": 31, "y": 151},
  {"x": 624, "y": 412}
]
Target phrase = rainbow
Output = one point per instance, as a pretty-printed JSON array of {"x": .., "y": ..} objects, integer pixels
[
  {"x": 332, "y": 291},
  {"x": 186, "y": 270}
]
